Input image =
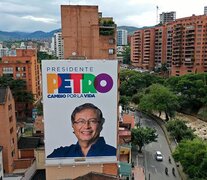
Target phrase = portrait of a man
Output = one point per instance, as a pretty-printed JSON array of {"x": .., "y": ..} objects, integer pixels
[{"x": 87, "y": 122}]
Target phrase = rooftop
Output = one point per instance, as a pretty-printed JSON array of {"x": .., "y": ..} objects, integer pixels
[{"x": 28, "y": 142}]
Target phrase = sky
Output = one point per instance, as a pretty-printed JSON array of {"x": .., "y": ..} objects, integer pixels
[{"x": 44, "y": 15}]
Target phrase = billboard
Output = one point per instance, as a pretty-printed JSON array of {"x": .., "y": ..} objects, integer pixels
[{"x": 73, "y": 87}]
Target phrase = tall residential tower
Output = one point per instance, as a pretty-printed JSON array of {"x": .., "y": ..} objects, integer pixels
[
  {"x": 121, "y": 37},
  {"x": 86, "y": 34}
]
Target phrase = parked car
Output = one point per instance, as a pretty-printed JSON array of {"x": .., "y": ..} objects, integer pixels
[{"x": 158, "y": 156}]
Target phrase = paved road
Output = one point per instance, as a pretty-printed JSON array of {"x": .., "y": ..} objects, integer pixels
[{"x": 155, "y": 170}]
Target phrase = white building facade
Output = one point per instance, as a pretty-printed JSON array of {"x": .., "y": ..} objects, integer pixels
[
  {"x": 3, "y": 51},
  {"x": 167, "y": 17},
  {"x": 122, "y": 37},
  {"x": 205, "y": 10},
  {"x": 57, "y": 45}
]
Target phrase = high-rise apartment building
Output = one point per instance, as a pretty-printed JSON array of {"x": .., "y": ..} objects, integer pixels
[
  {"x": 8, "y": 137},
  {"x": 189, "y": 53},
  {"x": 121, "y": 37},
  {"x": 23, "y": 65},
  {"x": 137, "y": 48},
  {"x": 142, "y": 48},
  {"x": 166, "y": 17},
  {"x": 205, "y": 10},
  {"x": 181, "y": 44},
  {"x": 57, "y": 45},
  {"x": 86, "y": 34}
]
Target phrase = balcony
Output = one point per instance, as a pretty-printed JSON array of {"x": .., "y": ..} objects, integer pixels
[{"x": 107, "y": 28}]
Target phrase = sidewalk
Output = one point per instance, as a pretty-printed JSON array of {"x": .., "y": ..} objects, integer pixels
[
  {"x": 138, "y": 161},
  {"x": 138, "y": 173}
]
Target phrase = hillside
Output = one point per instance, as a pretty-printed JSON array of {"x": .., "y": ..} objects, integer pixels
[
  {"x": 130, "y": 29},
  {"x": 37, "y": 35},
  {"x": 16, "y": 35}
]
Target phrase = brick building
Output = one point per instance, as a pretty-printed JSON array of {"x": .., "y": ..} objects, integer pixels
[
  {"x": 181, "y": 44},
  {"x": 24, "y": 66},
  {"x": 8, "y": 137},
  {"x": 86, "y": 34}
]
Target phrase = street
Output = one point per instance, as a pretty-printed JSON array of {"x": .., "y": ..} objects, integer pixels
[{"x": 155, "y": 170}]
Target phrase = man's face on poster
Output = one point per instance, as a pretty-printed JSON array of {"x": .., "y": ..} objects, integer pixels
[{"x": 86, "y": 125}]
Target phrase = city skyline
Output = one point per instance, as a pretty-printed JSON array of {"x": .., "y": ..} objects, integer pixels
[{"x": 45, "y": 15}]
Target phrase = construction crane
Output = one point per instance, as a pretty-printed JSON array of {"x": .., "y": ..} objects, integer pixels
[{"x": 157, "y": 18}]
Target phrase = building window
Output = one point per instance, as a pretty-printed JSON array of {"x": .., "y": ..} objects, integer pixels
[
  {"x": 18, "y": 75},
  {"x": 12, "y": 153},
  {"x": 9, "y": 107},
  {"x": 111, "y": 51},
  {"x": 18, "y": 68},
  {"x": 7, "y": 70},
  {"x": 111, "y": 41},
  {"x": 11, "y": 130},
  {"x": 10, "y": 119}
]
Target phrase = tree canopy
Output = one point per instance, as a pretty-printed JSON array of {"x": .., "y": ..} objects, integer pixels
[
  {"x": 159, "y": 98},
  {"x": 126, "y": 55},
  {"x": 18, "y": 88},
  {"x": 142, "y": 136},
  {"x": 179, "y": 130},
  {"x": 44, "y": 55},
  {"x": 191, "y": 90},
  {"x": 192, "y": 154}
]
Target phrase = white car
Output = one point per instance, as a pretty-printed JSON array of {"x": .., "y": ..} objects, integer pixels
[{"x": 158, "y": 156}]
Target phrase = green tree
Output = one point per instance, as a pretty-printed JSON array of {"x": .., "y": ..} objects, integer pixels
[
  {"x": 133, "y": 82},
  {"x": 179, "y": 130},
  {"x": 126, "y": 55},
  {"x": 40, "y": 109},
  {"x": 142, "y": 136},
  {"x": 162, "y": 70},
  {"x": 43, "y": 55},
  {"x": 159, "y": 98},
  {"x": 21, "y": 95},
  {"x": 191, "y": 90},
  {"x": 4, "y": 81},
  {"x": 192, "y": 154},
  {"x": 124, "y": 101},
  {"x": 18, "y": 88}
]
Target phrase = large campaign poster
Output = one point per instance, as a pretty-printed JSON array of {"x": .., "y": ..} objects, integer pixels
[{"x": 68, "y": 84}]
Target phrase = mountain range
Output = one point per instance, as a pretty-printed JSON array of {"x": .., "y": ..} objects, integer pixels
[
  {"x": 17, "y": 35},
  {"x": 41, "y": 35}
]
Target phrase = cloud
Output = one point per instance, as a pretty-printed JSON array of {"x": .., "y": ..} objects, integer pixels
[
  {"x": 45, "y": 15},
  {"x": 12, "y": 8},
  {"x": 40, "y": 19}
]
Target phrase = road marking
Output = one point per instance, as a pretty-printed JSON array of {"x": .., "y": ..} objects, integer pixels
[{"x": 155, "y": 170}]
